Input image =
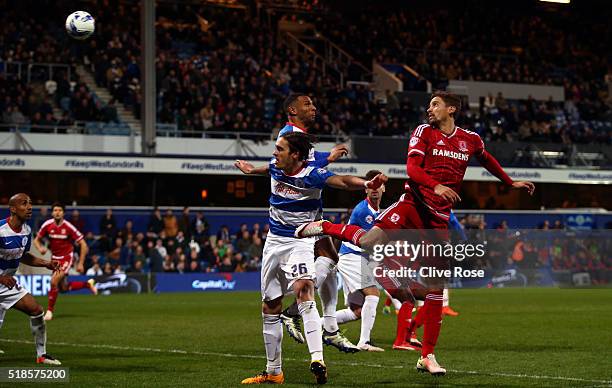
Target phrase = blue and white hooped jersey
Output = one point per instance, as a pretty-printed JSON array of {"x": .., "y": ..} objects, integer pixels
[
  {"x": 316, "y": 158},
  {"x": 13, "y": 245},
  {"x": 295, "y": 199},
  {"x": 363, "y": 216}
]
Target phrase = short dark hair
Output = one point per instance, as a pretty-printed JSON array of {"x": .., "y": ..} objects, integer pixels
[
  {"x": 299, "y": 142},
  {"x": 290, "y": 100},
  {"x": 371, "y": 174},
  {"x": 58, "y": 204},
  {"x": 449, "y": 99}
]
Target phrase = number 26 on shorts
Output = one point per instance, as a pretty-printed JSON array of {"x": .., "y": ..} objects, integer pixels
[{"x": 299, "y": 269}]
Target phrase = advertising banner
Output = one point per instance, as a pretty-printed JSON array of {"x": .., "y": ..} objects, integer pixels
[
  {"x": 226, "y": 167},
  {"x": 37, "y": 285},
  {"x": 119, "y": 283},
  {"x": 203, "y": 282}
]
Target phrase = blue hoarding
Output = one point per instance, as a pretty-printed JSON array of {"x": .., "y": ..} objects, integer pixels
[{"x": 201, "y": 282}]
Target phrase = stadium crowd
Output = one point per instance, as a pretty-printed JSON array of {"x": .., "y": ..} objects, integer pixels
[{"x": 225, "y": 70}]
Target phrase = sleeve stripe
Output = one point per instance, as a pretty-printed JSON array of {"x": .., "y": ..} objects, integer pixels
[{"x": 415, "y": 150}]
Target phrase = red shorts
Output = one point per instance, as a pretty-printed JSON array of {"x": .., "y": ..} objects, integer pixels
[
  {"x": 65, "y": 262},
  {"x": 410, "y": 213}
]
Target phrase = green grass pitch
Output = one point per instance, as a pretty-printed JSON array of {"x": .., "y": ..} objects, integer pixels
[{"x": 502, "y": 337}]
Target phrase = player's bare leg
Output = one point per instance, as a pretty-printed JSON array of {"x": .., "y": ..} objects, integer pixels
[{"x": 28, "y": 305}]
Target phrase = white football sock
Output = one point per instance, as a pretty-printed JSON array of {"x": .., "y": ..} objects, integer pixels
[
  {"x": 273, "y": 338},
  {"x": 312, "y": 329},
  {"x": 328, "y": 292},
  {"x": 445, "y": 298},
  {"x": 368, "y": 316},
  {"x": 39, "y": 331},
  {"x": 323, "y": 267},
  {"x": 2, "y": 313},
  {"x": 345, "y": 315}
]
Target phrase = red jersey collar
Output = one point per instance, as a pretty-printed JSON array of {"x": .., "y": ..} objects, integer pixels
[
  {"x": 10, "y": 226},
  {"x": 297, "y": 126},
  {"x": 298, "y": 171}
]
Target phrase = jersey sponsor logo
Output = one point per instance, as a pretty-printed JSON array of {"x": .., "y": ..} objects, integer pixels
[
  {"x": 58, "y": 236},
  {"x": 463, "y": 146},
  {"x": 281, "y": 188},
  {"x": 414, "y": 141},
  {"x": 450, "y": 154}
]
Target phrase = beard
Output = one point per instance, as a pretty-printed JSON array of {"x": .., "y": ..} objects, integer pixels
[{"x": 433, "y": 122}]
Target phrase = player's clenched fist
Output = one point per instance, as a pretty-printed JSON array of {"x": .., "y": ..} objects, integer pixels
[
  {"x": 447, "y": 193},
  {"x": 377, "y": 181},
  {"x": 8, "y": 281}
]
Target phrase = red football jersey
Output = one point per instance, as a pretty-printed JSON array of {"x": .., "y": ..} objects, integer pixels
[
  {"x": 445, "y": 159},
  {"x": 62, "y": 237}
]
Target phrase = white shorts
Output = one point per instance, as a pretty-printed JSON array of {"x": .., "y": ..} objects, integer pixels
[
  {"x": 355, "y": 272},
  {"x": 8, "y": 297},
  {"x": 285, "y": 260}
]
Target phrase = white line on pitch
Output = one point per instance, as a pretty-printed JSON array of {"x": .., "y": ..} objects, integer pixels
[{"x": 230, "y": 355}]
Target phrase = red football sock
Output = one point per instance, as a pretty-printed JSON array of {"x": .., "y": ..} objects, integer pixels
[
  {"x": 432, "y": 322},
  {"x": 417, "y": 322},
  {"x": 388, "y": 302},
  {"x": 52, "y": 298},
  {"x": 349, "y": 233},
  {"x": 403, "y": 322},
  {"x": 73, "y": 286}
]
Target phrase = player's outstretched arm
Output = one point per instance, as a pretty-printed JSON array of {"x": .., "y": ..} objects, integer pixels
[
  {"x": 492, "y": 165},
  {"x": 349, "y": 182},
  {"x": 248, "y": 169},
  {"x": 33, "y": 261}
]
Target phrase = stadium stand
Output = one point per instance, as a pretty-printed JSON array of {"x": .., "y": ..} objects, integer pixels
[{"x": 209, "y": 79}]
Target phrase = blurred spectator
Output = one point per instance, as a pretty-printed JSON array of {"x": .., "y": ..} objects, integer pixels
[
  {"x": 78, "y": 223},
  {"x": 170, "y": 224},
  {"x": 156, "y": 224},
  {"x": 108, "y": 225},
  {"x": 185, "y": 222},
  {"x": 244, "y": 242},
  {"x": 41, "y": 217}
]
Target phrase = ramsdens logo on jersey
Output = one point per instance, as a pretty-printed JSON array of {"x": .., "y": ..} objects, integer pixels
[
  {"x": 213, "y": 284},
  {"x": 450, "y": 154}
]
